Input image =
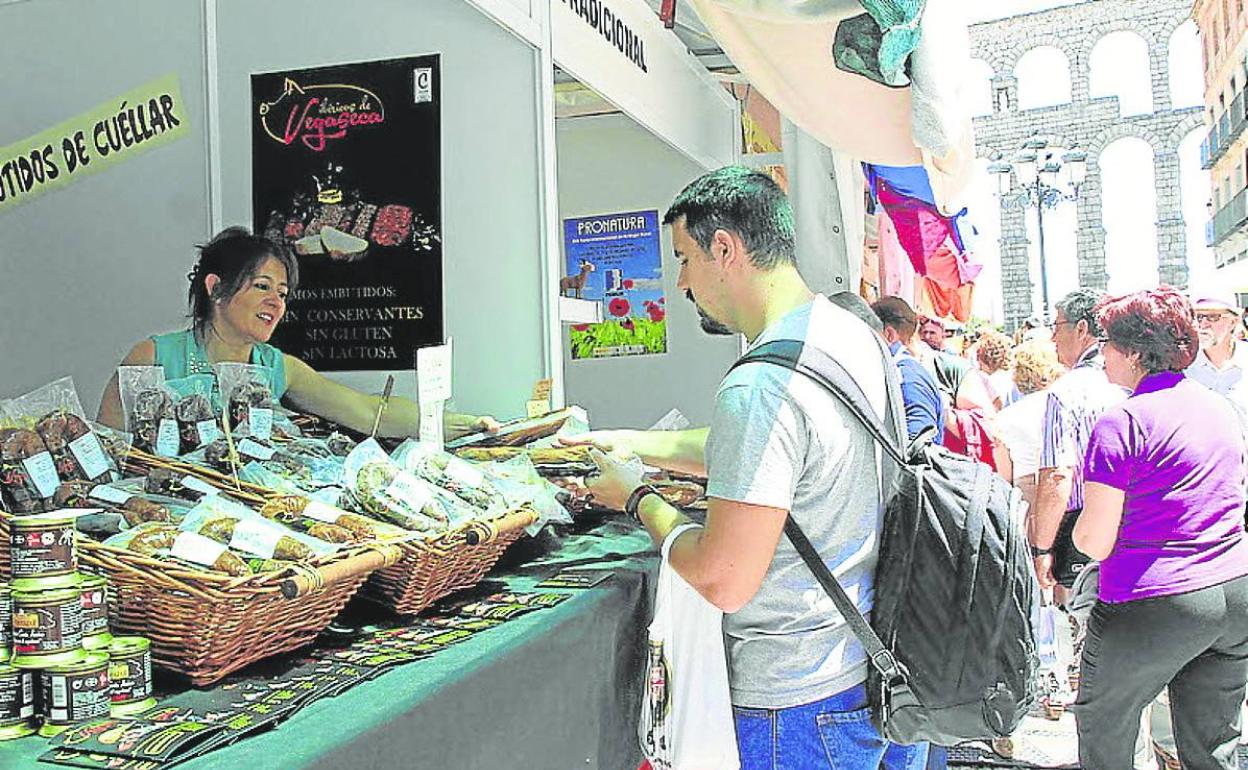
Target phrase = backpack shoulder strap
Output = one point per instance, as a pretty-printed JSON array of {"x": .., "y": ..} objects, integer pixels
[
  {"x": 834, "y": 378},
  {"x": 829, "y": 373}
]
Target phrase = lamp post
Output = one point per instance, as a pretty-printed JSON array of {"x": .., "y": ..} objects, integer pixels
[{"x": 1046, "y": 176}]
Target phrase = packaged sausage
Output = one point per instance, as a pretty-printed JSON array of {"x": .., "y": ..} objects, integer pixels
[
  {"x": 149, "y": 409},
  {"x": 247, "y": 398},
  {"x": 55, "y": 413}
]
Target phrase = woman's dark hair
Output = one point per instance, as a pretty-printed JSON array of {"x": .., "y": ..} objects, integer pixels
[
  {"x": 234, "y": 254},
  {"x": 1158, "y": 324}
]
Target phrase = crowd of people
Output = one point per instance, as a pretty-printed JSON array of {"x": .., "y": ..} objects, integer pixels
[
  {"x": 1121, "y": 422},
  {"x": 1123, "y": 425}
]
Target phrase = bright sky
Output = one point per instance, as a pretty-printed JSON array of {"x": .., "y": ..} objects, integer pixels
[{"x": 1119, "y": 67}]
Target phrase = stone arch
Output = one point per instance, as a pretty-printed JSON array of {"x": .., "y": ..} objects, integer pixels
[
  {"x": 1122, "y": 131},
  {"x": 1191, "y": 123},
  {"x": 1169, "y": 24},
  {"x": 1127, "y": 55},
  {"x": 1094, "y": 35},
  {"x": 1185, "y": 82},
  {"x": 1031, "y": 42},
  {"x": 1025, "y": 82}
]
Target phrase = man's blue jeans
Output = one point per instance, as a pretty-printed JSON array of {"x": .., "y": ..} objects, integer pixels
[{"x": 834, "y": 733}]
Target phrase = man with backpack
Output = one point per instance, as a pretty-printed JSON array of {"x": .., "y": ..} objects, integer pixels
[{"x": 779, "y": 445}]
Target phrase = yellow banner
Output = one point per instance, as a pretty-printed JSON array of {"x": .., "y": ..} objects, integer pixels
[{"x": 137, "y": 121}]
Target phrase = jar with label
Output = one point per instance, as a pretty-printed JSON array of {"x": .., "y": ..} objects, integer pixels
[
  {"x": 130, "y": 675},
  {"x": 17, "y": 703},
  {"x": 42, "y": 551},
  {"x": 47, "y": 628},
  {"x": 94, "y": 602},
  {"x": 74, "y": 693}
]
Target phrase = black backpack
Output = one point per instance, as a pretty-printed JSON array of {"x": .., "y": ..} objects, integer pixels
[{"x": 952, "y": 639}]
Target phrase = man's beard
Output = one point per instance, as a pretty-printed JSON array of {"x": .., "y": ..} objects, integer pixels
[{"x": 709, "y": 325}]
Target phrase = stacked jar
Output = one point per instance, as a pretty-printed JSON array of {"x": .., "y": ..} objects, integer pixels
[{"x": 51, "y": 604}]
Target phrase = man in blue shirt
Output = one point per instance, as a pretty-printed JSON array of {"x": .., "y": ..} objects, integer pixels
[{"x": 924, "y": 406}]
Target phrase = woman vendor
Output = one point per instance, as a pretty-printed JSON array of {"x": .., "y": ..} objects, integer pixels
[{"x": 237, "y": 296}]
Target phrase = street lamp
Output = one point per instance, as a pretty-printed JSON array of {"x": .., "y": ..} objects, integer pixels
[{"x": 1046, "y": 176}]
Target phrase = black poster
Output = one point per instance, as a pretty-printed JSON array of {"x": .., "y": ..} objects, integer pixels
[{"x": 346, "y": 171}]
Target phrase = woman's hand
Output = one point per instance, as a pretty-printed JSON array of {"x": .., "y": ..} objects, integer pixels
[{"x": 457, "y": 425}]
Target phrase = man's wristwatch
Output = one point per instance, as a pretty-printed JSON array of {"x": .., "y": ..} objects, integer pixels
[
  {"x": 634, "y": 500},
  {"x": 1037, "y": 552}
]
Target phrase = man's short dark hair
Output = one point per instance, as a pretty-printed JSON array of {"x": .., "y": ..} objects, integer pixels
[
  {"x": 746, "y": 202},
  {"x": 847, "y": 300},
  {"x": 1080, "y": 305},
  {"x": 896, "y": 313}
]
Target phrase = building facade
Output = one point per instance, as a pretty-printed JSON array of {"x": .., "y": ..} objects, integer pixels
[
  {"x": 1068, "y": 37},
  {"x": 1224, "y": 152}
]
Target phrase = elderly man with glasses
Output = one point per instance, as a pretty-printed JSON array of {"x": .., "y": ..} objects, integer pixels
[{"x": 1222, "y": 363}]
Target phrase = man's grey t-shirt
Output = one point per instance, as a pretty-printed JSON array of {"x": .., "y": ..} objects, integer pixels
[{"x": 779, "y": 440}]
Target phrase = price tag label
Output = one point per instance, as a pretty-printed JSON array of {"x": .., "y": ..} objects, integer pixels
[
  {"x": 433, "y": 373},
  {"x": 322, "y": 512},
  {"x": 90, "y": 455},
  {"x": 463, "y": 474},
  {"x": 249, "y": 448},
  {"x": 410, "y": 491},
  {"x": 199, "y": 485},
  {"x": 208, "y": 431},
  {"x": 431, "y": 428},
  {"x": 42, "y": 471},
  {"x": 167, "y": 439},
  {"x": 109, "y": 494},
  {"x": 197, "y": 549},
  {"x": 256, "y": 538},
  {"x": 260, "y": 422}
]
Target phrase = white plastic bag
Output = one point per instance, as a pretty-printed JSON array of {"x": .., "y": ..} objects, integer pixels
[{"x": 686, "y": 714}]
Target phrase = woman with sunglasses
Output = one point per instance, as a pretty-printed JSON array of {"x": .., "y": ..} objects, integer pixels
[{"x": 1164, "y": 514}]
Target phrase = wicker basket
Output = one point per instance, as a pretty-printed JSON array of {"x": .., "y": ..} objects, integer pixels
[
  {"x": 432, "y": 569},
  {"x": 206, "y": 625}
]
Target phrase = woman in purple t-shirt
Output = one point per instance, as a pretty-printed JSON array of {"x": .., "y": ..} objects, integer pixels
[{"x": 1164, "y": 512}]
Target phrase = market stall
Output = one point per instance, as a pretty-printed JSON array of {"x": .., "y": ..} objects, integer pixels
[
  {"x": 217, "y": 540},
  {"x": 515, "y": 693}
]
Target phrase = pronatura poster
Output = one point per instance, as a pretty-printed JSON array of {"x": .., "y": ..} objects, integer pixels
[
  {"x": 347, "y": 173},
  {"x": 615, "y": 259}
]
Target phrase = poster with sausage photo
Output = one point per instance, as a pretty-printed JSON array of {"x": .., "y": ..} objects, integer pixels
[
  {"x": 346, "y": 171},
  {"x": 616, "y": 259}
]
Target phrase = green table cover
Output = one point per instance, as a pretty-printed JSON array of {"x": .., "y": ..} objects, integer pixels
[{"x": 556, "y": 688}]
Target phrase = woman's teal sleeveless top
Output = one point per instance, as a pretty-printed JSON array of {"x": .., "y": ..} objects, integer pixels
[{"x": 181, "y": 355}]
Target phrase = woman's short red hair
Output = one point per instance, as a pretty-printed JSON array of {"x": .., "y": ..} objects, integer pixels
[{"x": 1158, "y": 324}]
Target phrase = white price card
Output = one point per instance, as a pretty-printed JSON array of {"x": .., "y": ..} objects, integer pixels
[
  {"x": 431, "y": 415},
  {"x": 255, "y": 537},
  {"x": 433, "y": 373},
  {"x": 108, "y": 494},
  {"x": 260, "y": 422},
  {"x": 409, "y": 490},
  {"x": 199, "y": 485},
  {"x": 319, "y": 511},
  {"x": 197, "y": 549},
  {"x": 90, "y": 455},
  {"x": 208, "y": 431},
  {"x": 249, "y": 448},
  {"x": 167, "y": 439},
  {"x": 42, "y": 471}
]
